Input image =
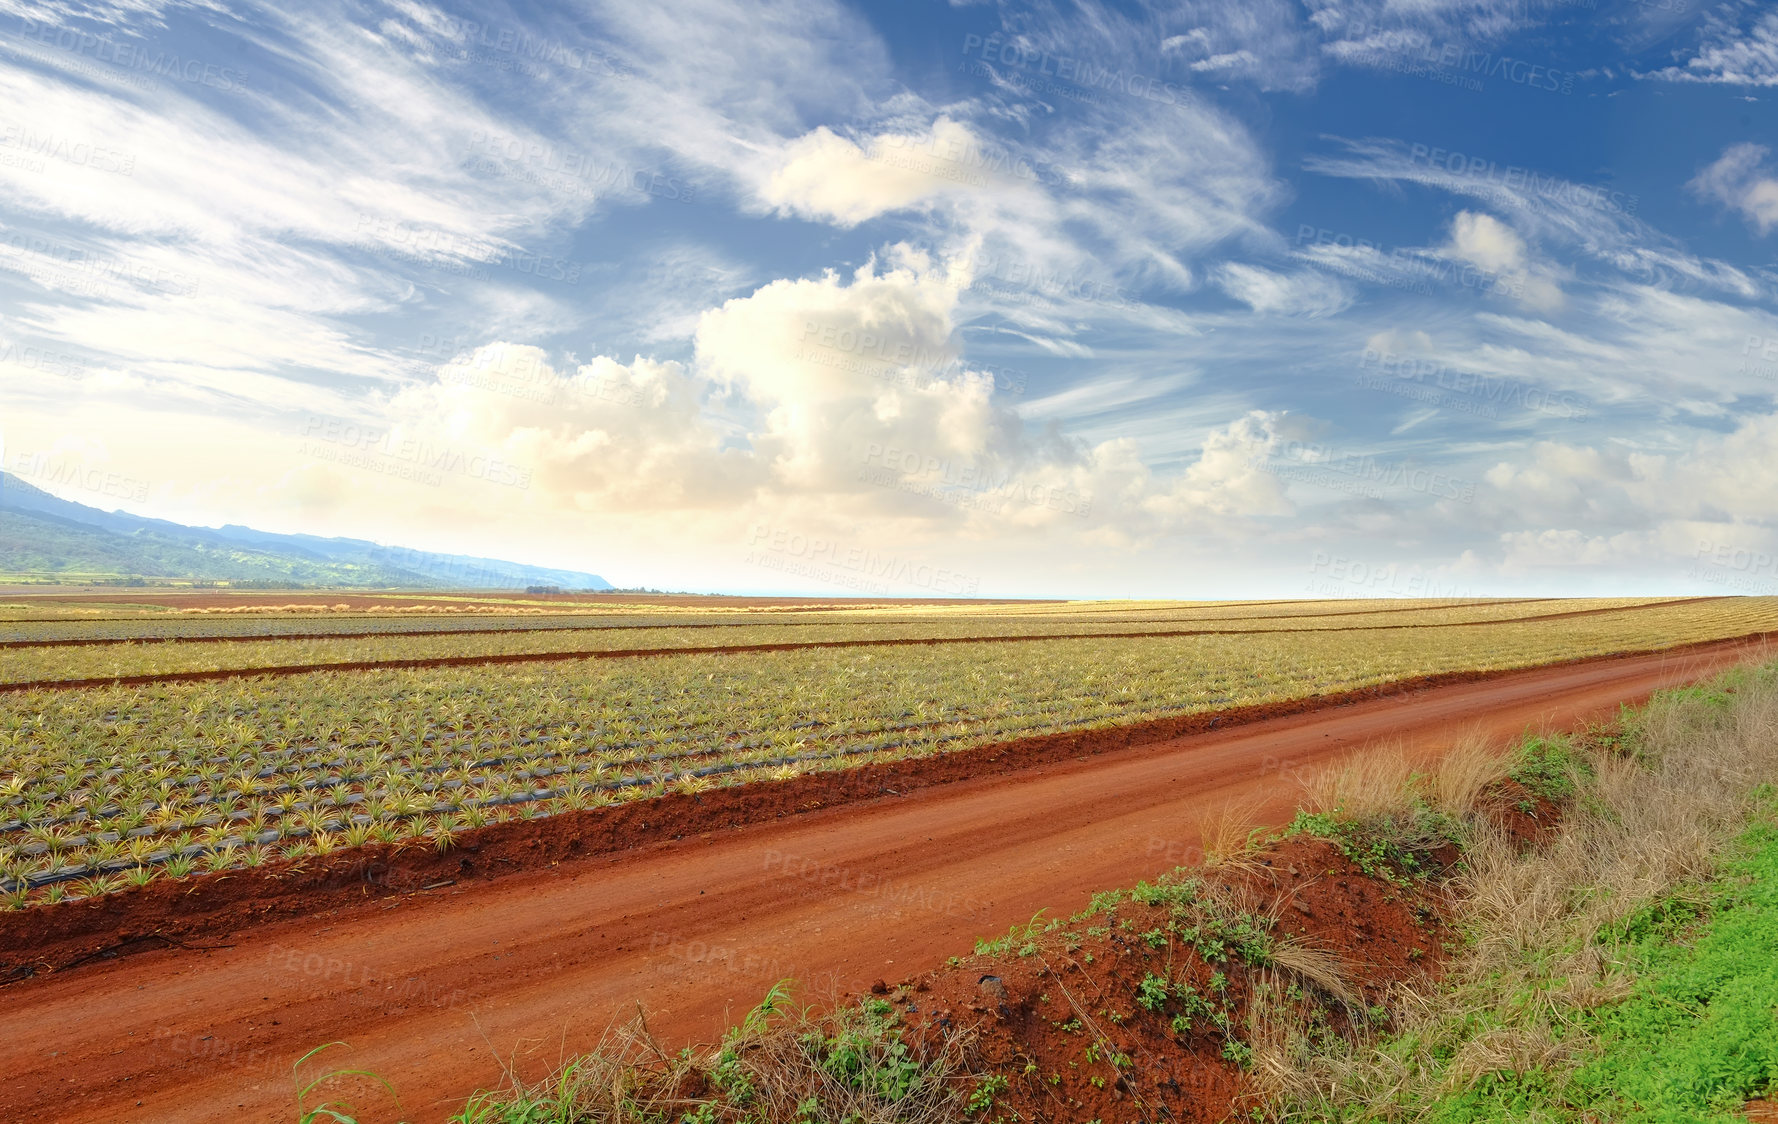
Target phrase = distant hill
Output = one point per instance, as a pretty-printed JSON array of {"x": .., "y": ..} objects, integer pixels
[{"x": 40, "y": 534}]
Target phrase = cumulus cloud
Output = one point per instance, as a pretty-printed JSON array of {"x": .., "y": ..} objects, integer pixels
[
  {"x": 1229, "y": 478},
  {"x": 826, "y": 176},
  {"x": 1490, "y": 245},
  {"x": 820, "y": 394},
  {"x": 605, "y": 436},
  {"x": 1393, "y": 342},
  {"x": 1485, "y": 241},
  {"x": 1612, "y": 505},
  {"x": 1739, "y": 180},
  {"x": 837, "y": 366}
]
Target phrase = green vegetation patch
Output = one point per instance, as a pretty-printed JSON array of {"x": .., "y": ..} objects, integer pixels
[
  {"x": 1550, "y": 767},
  {"x": 1698, "y": 1035},
  {"x": 1393, "y": 847}
]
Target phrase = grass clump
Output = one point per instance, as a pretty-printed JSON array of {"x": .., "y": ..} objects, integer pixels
[
  {"x": 1393, "y": 843},
  {"x": 1391, "y": 818},
  {"x": 1549, "y": 767},
  {"x": 781, "y": 1065}
]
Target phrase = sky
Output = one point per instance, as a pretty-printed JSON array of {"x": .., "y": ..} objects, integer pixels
[{"x": 1064, "y": 299}]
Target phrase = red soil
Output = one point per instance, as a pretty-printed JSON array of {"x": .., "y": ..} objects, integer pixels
[
  {"x": 1067, "y": 1002},
  {"x": 1527, "y": 817},
  {"x": 437, "y": 988}
]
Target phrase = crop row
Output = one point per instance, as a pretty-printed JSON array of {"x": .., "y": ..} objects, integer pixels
[
  {"x": 578, "y": 784},
  {"x": 85, "y": 795},
  {"x": 173, "y": 657},
  {"x": 358, "y": 624},
  {"x": 204, "y": 625}
]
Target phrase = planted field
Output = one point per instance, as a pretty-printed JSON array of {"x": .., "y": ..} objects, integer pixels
[
  {"x": 27, "y": 624},
  {"x": 77, "y": 657},
  {"x": 111, "y": 786}
]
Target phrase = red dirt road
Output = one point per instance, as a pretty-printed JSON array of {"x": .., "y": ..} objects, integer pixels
[{"x": 434, "y": 990}]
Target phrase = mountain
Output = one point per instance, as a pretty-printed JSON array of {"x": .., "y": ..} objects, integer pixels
[{"x": 41, "y": 534}]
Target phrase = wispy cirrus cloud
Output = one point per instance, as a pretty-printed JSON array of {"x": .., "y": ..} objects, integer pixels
[
  {"x": 1592, "y": 221},
  {"x": 1732, "y": 52}
]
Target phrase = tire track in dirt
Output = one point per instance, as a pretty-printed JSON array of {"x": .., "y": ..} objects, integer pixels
[
  {"x": 736, "y": 649},
  {"x": 437, "y": 990}
]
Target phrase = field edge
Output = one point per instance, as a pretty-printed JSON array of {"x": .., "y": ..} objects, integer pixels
[{"x": 51, "y": 938}]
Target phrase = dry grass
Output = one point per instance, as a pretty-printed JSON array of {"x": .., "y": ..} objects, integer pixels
[
  {"x": 782, "y": 1064},
  {"x": 1382, "y": 784},
  {"x": 1385, "y": 797},
  {"x": 1232, "y": 836},
  {"x": 602, "y": 1085},
  {"x": 1372, "y": 787},
  {"x": 1651, "y": 820},
  {"x": 1465, "y": 773},
  {"x": 1321, "y": 967}
]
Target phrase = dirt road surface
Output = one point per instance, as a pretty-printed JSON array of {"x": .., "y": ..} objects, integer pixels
[{"x": 438, "y": 990}]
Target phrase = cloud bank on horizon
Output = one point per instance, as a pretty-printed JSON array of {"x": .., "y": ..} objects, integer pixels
[{"x": 1188, "y": 299}]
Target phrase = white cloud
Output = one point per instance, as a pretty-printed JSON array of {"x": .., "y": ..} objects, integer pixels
[
  {"x": 1739, "y": 181},
  {"x": 1612, "y": 504},
  {"x": 1493, "y": 247},
  {"x": 1303, "y": 293},
  {"x": 1594, "y": 222},
  {"x": 839, "y": 367},
  {"x": 1387, "y": 33},
  {"x": 1485, "y": 241},
  {"x": 1263, "y": 42},
  {"x": 1731, "y": 56},
  {"x": 607, "y": 437},
  {"x": 1228, "y": 481},
  {"x": 1528, "y": 550},
  {"x": 826, "y": 176},
  {"x": 821, "y": 395}
]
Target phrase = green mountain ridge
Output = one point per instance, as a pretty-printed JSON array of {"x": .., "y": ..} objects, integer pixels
[{"x": 43, "y": 536}]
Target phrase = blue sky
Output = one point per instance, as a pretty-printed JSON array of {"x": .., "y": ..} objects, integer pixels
[{"x": 1450, "y": 297}]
